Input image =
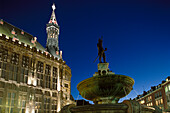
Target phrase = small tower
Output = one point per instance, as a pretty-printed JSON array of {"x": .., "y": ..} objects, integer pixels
[{"x": 52, "y": 35}]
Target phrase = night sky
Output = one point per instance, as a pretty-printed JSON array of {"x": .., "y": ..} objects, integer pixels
[{"x": 135, "y": 32}]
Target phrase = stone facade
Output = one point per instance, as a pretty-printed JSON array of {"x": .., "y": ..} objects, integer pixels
[{"x": 32, "y": 80}]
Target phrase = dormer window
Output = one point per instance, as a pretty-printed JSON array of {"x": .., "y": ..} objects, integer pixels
[
  {"x": 22, "y": 32},
  {"x": 13, "y": 32},
  {"x": 1, "y": 22}
]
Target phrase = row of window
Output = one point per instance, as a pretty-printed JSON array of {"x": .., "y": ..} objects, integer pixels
[
  {"x": 149, "y": 104},
  {"x": 159, "y": 102},
  {"x": 22, "y": 103},
  {"x": 26, "y": 63}
]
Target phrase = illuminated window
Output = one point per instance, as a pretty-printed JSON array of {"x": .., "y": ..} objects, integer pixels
[
  {"x": 168, "y": 87},
  {"x": 156, "y": 102},
  {"x": 22, "y": 102},
  {"x": 142, "y": 101},
  {"x": 161, "y": 101}
]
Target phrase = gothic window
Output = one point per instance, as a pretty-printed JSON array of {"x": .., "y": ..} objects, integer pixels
[
  {"x": 47, "y": 76},
  {"x": 3, "y": 55},
  {"x": 40, "y": 73},
  {"x": 22, "y": 103},
  {"x": 40, "y": 67},
  {"x": 46, "y": 104},
  {"x": 39, "y": 79},
  {"x": 54, "y": 106},
  {"x": 3, "y": 62},
  {"x": 24, "y": 75},
  {"x": 55, "y": 73},
  {"x": 13, "y": 72},
  {"x": 13, "y": 67},
  {"x": 15, "y": 58},
  {"x": 38, "y": 102},
  {"x": 25, "y": 61},
  {"x": 32, "y": 64},
  {"x": 11, "y": 99}
]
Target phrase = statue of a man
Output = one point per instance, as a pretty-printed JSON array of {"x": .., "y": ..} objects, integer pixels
[{"x": 101, "y": 51}]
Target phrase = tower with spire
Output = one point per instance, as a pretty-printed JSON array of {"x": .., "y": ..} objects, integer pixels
[{"x": 52, "y": 35}]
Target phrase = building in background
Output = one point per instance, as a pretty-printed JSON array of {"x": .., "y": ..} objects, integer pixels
[
  {"x": 157, "y": 96},
  {"x": 33, "y": 79}
]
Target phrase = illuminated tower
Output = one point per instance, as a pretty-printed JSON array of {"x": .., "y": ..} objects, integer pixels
[{"x": 52, "y": 35}]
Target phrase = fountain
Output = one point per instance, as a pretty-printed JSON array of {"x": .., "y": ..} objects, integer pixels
[{"x": 105, "y": 89}]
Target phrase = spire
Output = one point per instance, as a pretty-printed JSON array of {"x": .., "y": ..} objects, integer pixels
[
  {"x": 53, "y": 35},
  {"x": 53, "y": 17}
]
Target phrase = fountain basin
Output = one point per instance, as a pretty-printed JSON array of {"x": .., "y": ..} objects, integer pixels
[{"x": 105, "y": 89}]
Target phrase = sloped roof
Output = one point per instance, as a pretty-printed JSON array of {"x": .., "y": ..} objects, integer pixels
[{"x": 26, "y": 38}]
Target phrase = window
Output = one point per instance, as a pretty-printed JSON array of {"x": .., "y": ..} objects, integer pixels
[
  {"x": 40, "y": 74},
  {"x": 55, "y": 73},
  {"x": 167, "y": 88},
  {"x": 38, "y": 101},
  {"x": 39, "y": 79},
  {"x": 24, "y": 75},
  {"x": 67, "y": 76},
  {"x": 66, "y": 85},
  {"x": 3, "y": 62},
  {"x": 40, "y": 67},
  {"x": 54, "y": 106},
  {"x": 47, "y": 76},
  {"x": 158, "y": 94},
  {"x": 142, "y": 102},
  {"x": 13, "y": 72},
  {"x": 46, "y": 104},
  {"x": 13, "y": 67},
  {"x": 22, "y": 102},
  {"x": 3, "y": 54},
  {"x": 11, "y": 99},
  {"x": 15, "y": 58},
  {"x": 25, "y": 61}
]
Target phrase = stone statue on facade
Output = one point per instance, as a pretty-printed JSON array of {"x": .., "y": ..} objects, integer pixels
[{"x": 101, "y": 51}]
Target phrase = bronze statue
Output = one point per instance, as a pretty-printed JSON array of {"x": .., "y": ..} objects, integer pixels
[{"x": 101, "y": 51}]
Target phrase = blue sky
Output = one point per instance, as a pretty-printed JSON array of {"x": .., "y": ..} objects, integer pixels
[{"x": 136, "y": 33}]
